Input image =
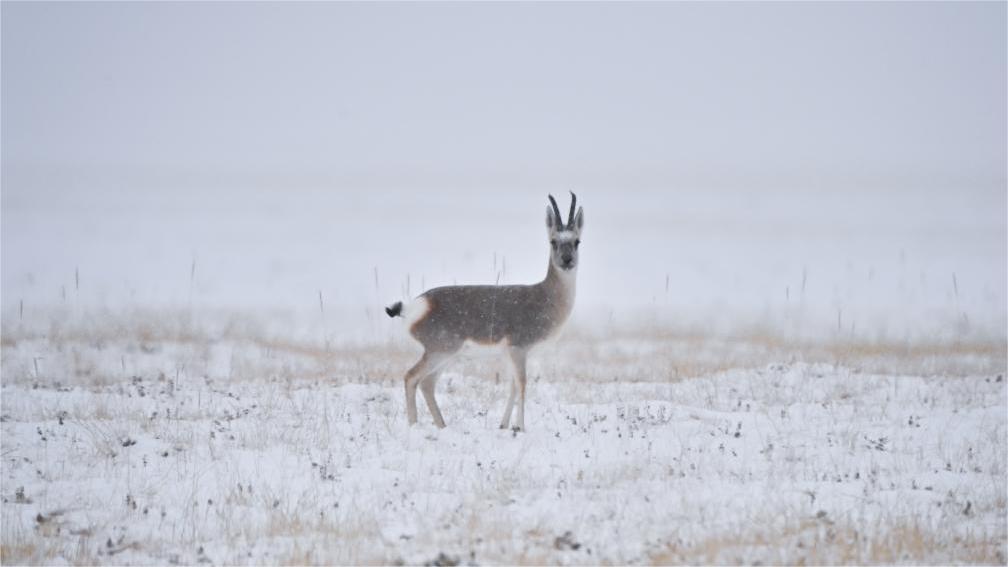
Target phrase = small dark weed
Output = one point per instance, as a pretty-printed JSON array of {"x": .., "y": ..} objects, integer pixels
[
  {"x": 566, "y": 542},
  {"x": 443, "y": 560}
]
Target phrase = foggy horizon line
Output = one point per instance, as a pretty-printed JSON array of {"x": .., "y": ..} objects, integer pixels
[{"x": 31, "y": 175}]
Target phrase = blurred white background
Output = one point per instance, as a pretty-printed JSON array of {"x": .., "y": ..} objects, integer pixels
[{"x": 804, "y": 168}]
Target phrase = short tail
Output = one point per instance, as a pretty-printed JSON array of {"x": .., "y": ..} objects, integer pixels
[{"x": 394, "y": 310}]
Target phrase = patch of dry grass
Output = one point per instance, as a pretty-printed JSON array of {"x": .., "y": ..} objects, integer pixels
[
  {"x": 635, "y": 353},
  {"x": 687, "y": 353},
  {"x": 818, "y": 541},
  {"x": 46, "y": 550}
]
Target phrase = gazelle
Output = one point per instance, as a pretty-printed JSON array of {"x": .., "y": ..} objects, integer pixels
[{"x": 518, "y": 317}]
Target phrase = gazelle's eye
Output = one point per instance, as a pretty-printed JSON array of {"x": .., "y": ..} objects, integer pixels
[
  {"x": 577, "y": 243},
  {"x": 553, "y": 244}
]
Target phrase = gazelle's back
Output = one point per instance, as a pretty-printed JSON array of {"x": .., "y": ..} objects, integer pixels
[{"x": 519, "y": 315}]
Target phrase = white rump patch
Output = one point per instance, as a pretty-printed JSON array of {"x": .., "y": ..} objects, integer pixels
[{"x": 415, "y": 310}]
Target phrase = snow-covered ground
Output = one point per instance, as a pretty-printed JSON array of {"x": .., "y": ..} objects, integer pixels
[
  {"x": 202, "y": 377},
  {"x": 167, "y": 438},
  {"x": 775, "y": 377}
]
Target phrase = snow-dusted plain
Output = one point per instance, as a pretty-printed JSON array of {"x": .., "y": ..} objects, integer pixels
[
  {"x": 192, "y": 378},
  {"x": 186, "y": 381},
  {"x": 177, "y": 438}
]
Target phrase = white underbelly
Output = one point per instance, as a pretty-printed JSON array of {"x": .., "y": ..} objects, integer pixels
[{"x": 473, "y": 349}]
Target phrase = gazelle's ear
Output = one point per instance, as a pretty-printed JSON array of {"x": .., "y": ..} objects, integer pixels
[
  {"x": 550, "y": 223},
  {"x": 579, "y": 219}
]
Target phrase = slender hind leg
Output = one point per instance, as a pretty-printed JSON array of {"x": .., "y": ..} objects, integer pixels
[
  {"x": 413, "y": 376},
  {"x": 427, "y": 387},
  {"x": 428, "y": 364}
]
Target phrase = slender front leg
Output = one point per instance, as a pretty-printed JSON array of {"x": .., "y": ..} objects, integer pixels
[
  {"x": 518, "y": 357},
  {"x": 506, "y": 420}
]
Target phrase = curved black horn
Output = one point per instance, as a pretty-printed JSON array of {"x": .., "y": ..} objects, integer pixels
[
  {"x": 556, "y": 213},
  {"x": 570, "y": 217}
]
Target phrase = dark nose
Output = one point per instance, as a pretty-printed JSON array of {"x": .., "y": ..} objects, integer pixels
[{"x": 566, "y": 258}]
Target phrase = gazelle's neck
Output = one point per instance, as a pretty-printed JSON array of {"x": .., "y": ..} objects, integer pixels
[{"x": 562, "y": 286}]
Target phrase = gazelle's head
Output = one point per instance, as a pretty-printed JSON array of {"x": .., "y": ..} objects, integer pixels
[{"x": 564, "y": 239}]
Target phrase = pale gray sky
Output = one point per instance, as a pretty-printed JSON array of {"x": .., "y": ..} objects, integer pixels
[{"x": 489, "y": 94}]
